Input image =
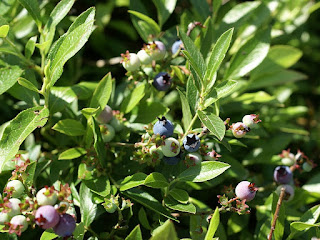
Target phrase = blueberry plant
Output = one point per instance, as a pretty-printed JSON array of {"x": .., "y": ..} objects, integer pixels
[{"x": 161, "y": 119}]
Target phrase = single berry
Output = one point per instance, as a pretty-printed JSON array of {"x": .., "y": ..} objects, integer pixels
[
  {"x": 47, "y": 217},
  {"x": 176, "y": 46},
  {"x": 191, "y": 142},
  {"x": 239, "y": 129},
  {"x": 162, "y": 81},
  {"x": 155, "y": 153},
  {"x": 66, "y": 226},
  {"x": 282, "y": 175},
  {"x": 171, "y": 147},
  {"x": 116, "y": 124},
  {"x": 107, "y": 132},
  {"x": 106, "y": 115},
  {"x": 288, "y": 161},
  {"x": 171, "y": 160},
  {"x": 164, "y": 127},
  {"x": 144, "y": 57},
  {"x": 16, "y": 187},
  {"x": 19, "y": 223},
  {"x": 306, "y": 166},
  {"x": 251, "y": 120},
  {"x": 289, "y": 191},
  {"x": 46, "y": 196},
  {"x": 14, "y": 205},
  {"x": 213, "y": 155},
  {"x": 130, "y": 61},
  {"x": 246, "y": 190},
  {"x": 4, "y": 217},
  {"x": 192, "y": 159},
  {"x": 157, "y": 50}
]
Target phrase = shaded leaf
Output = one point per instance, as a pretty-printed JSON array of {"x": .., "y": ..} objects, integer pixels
[{"x": 70, "y": 127}]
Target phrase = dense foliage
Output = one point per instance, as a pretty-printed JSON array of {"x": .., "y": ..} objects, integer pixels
[{"x": 162, "y": 119}]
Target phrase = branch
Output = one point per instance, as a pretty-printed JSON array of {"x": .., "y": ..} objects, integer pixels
[{"x": 276, "y": 213}]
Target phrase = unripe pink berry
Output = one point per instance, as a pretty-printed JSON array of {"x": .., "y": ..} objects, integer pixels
[
  {"x": 47, "y": 217},
  {"x": 246, "y": 190}
]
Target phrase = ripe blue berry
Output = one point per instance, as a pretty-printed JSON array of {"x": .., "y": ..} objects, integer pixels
[
  {"x": 107, "y": 132},
  {"x": 16, "y": 187},
  {"x": 171, "y": 160},
  {"x": 289, "y": 191},
  {"x": 47, "y": 217},
  {"x": 171, "y": 147},
  {"x": 130, "y": 61},
  {"x": 106, "y": 115},
  {"x": 191, "y": 142},
  {"x": 46, "y": 196},
  {"x": 246, "y": 190},
  {"x": 239, "y": 129},
  {"x": 176, "y": 46},
  {"x": 162, "y": 81},
  {"x": 251, "y": 120},
  {"x": 66, "y": 226},
  {"x": 19, "y": 223},
  {"x": 164, "y": 127},
  {"x": 282, "y": 175},
  {"x": 144, "y": 57}
]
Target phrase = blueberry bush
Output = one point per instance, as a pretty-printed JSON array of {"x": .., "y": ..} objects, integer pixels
[{"x": 162, "y": 119}]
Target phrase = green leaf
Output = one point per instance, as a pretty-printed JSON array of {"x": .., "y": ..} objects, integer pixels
[
  {"x": 213, "y": 123},
  {"x": 69, "y": 44},
  {"x": 143, "y": 219},
  {"x": 216, "y": 57},
  {"x": 250, "y": 55},
  {"x": 18, "y": 129},
  {"x": 148, "y": 201},
  {"x": 213, "y": 226},
  {"x": 79, "y": 232},
  {"x": 180, "y": 195},
  {"x": 285, "y": 56},
  {"x": 61, "y": 98},
  {"x": 102, "y": 93},
  {"x": 132, "y": 181},
  {"x": 88, "y": 112},
  {"x": 33, "y": 8},
  {"x": 202, "y": 8},
  {"x": 192, "y": 94},
  {"x": 135, "y": 234},
  {"x": 164, "y": 8},
  {"x": 170, "y": 202},
  {"x": 48, "y": 235},
  {"x": 149, "y": 110},
  {"x": 70, "y": 127},
  {"x": 99, "y": 185},
  {"x": 31, "y": 169},
  {"x": 165, "y": 231},
  {"x": 99, "y": 144},
  {"x": 4, "y": 29},
  {"x": 27, "y": 84},
  {"x": 203, "y": 172},
  {"x": 193, "y": 55},
  {"x": 8, "y": 77},
  {"x": 223, "y": 89},
  {"x": 30, "y": 46},
  {"x": 134, "y": 98},
  {"x": 186, "y": 113},
  {"x": 313, "y": 184},
  {"x": 147, "y": 20},
  {"x": 72, "y": 153},
  {"x": 88, "y": 209},
  {"x": 156, "y": 180}
]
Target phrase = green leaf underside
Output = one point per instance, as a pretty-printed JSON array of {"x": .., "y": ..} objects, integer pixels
[{"x": 213, "y": 123}]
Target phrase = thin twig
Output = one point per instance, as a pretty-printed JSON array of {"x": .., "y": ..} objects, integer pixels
[{"x": 276, "y": 213}]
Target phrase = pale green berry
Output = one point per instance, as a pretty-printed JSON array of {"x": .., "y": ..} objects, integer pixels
[
  {"x": 4, "y": 217},
  {"x": 306, "y": 166},
  {"x": 14, "y": 207},
  {"x": 171, "y": 147},
  {"x": 19, "y": 220},
  {"x": 144, "y": 57},
  {"x": 131, "y": 62},
  {"x": 17, "y": 188},
  {"x": 289, "y": 191},
  {"x": 107, "y": 132},
  {"x": 46, "y": 196}
]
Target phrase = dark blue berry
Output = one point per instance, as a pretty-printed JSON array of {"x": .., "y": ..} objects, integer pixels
[
  {"x": 164, "y": 127},
  {"x": 66, "y": 226},
  {"x": 162, "y": 81},
  {"x": 176, "y": 46},
  {"x": 171, "y": 160},
  {"x": 282, "y": 175},
  {"x": 191, "y": 142}
]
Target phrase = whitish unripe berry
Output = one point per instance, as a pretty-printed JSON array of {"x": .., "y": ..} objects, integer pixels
[
  {"x": 251, "y": 120},
  {"x": 16, "y": 187},
  {"x": 3, "y": 218},
  {"x": 289, "y": 191},
  {"x": 246, "y": 190},
  {"x": 144, "y": 57},
  {"x": 47, "y": 196},
  {"x": 171, "y": 147},
  {"x": 156, "y": 153},
  {"x": 130, "y": 61},
  {"x": 193, "y": 159},
  {"x": 14, "y": 207},
  {"x": 158, "y": 50},
  {"x": 19, "y": 222}
]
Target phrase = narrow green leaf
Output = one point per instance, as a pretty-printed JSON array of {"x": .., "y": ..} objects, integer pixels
[
  {"x": 192, "y": 94},
  {"x": 98, "y": 143},
  {"x": 132, "y": 181},
  {"x": 72, "y": 153},
  {"x": 250, "y": 55},
  {"x": 165, "y": 231},
  {"x": 148, "y": 201},
  {"x": 48, "y": 235},
  {"x": 203, "y": 172},
  {"x": 33, "y": 8},
  {"x": 202, "y": 8},
  {"x": 213, "y": 226},
  {"x": 70, "y": 127},
  {"x": 102, "y": 93},
  {"x": 147, "y": 19},
  {"x": 164, "y": 9},
  {"x": 30, "y": 46},
  {"x": 70, "y": 43},
  {"x": 186, "y": 113},
  {"x": 135, "y": 234},
  {"x": 143, "y": 219},
  {"x": 99, "y": 185},
  {"x": 134, "y": 98},
  {"x": 27, "y": 84},
  {"x": 8, "y": 77},
  {"x": 216, "y": 57},
  {"x": 4, "y": 29},
  {"x": 179, "y": 195},
  {"x": 18, "y": 129},
  {"x": 223, "y": 89},
  {"x": 79, "y": 232},
  {"x": 285, "y": 56},
  {"x": 156, "y": 180},
  {"x": 88, "y": 209},
  {"x": 171, "y": 203},
  {"x": 31, "y": 169},
  {"x": 213, "y": 123}
]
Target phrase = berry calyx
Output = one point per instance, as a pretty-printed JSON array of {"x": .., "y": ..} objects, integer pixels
[
  {"x": 164, "y": 127},
  {"x": 162, "y": 81},
  {"x": 15, "y": 187},
  {"x": 47, "y": 196},
  {"x": 47, "y": 217},
  {"x": 130, "y": 61},
  {"x": 171, "y": 147},
  {"x": 66, "y": 226},
  {"x": 282, "y": 175},
  {"x": 191, "y": 142},
  {"x": 239, "y": 129},
  {"x": 246, "y": 190}
]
